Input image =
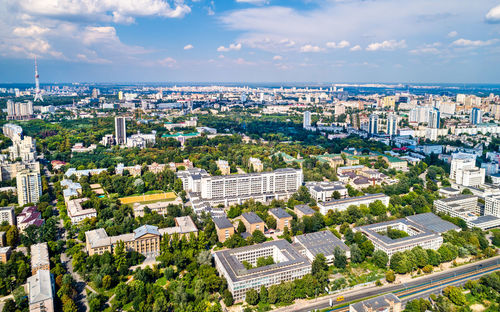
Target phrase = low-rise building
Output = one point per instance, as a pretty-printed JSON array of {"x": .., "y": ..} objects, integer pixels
[
  {"x": 283, "y": 218},
  {"x": 29, "y": 216},
  {"x": 144, "y": 239},
  {"x": 448, "y": 191},
  {"x": 252, "y": 222},
  {"x": 5, "y": 254},
  {"x": 323, "y": 242},
  {"x": 255, "y": 164},
  {"x": 71, "y": 189},
  {"x": 384, "y": 303},
  {"x": 344, "y": 203},
  {"x": 324, "y": 191},
  {"x": 223, "y": 166},
  {"x": 39, "y": 257},
  {"x": 288, "y": 265},
  {"x": 77, "y": 213},
  {"x": 41, "y": 292},
  {"x": 224, "y": 227},
  {"x": 7, "y": 214},
  {"x": 303, "y": 211}
]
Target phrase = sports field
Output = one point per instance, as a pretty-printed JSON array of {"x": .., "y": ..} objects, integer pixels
[{"x": 148, "y": 198}]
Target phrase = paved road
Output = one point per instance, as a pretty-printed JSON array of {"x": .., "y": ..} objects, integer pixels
[{"x": 324, "y": 302}]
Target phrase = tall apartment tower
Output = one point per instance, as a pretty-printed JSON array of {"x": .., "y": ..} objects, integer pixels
[
  {"x": 373, "y": 127},
  {"x": 120, "y": 131},
  {"x": 434, "y": 118},
  {"x": 476, "y": 116},
  {"x": 307, "y": 119},
  {"x": 29, "y": 186},
  {"x": 392, "y": 124}
]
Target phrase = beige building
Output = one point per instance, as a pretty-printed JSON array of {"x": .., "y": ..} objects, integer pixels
[
  {"x": 224, "y": 227},
  {"x": 252, "y": 222},
  {"x": 41, "y": 292},
  {"x": 5, "y": 254},
  {"x": 223, "y": 166},
  {"x": 7, "y": 215},
  {"x": 283, "y": 219},
  {"x": 29, "y": 186},
  {"x": 255, "y": 164},
  {"x": 303, "y": 210},
  {"x": 144, "y": 239},
  {"x": 39, "y": 257}
]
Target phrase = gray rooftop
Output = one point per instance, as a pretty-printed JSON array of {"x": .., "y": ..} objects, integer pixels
[
  {"x": 252, "y": 217},
  {"x": 375, "y": 304},
  {"x": 483, "y": 219},
  {"x": 354, "y": 199},
  {"x": 145, "y": 229},
  {"x": 323, "y": 242},
  {"x": 456, "y": 198},
  {"x": 40, "y": 287},
  {"x": 305, "y": 209},
  {"x": 39, "y": 255},
  {"x": 280, "y": 213},
  {"x": 433, "y": 222},
  {"x": 222, "y": 222}
]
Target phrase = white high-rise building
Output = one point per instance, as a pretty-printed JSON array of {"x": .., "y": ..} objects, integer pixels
[
  {"x": 434, "y": 118},
  {"x": 475, "y": 116},
  {"x": 307, "y": 119},
  {"x": 461, "y": 161},
  {"x": 29, "y": 186},
  {"x": 373, "y": 126},
  {"x": 120, "y": 131},
  {"x": 392, "y": 124}
]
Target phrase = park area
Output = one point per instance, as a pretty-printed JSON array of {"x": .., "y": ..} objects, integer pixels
[{"x": 148, "y": 198}]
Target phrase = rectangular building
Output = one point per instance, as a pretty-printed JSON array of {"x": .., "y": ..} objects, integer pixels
[
  {"x": 303, "y": 210},
  {"x": 384, "y": 303},
  {"x": 252, "y": 222},
  {"x": 41, "y": 292},
  {"x": 288, "y": 265},
  {"x": 344, "y": 203},
  {"x": 39, "y": 257},
  {"x": 324, "y": 191},
  {"x": 283, "y": 218},
  {"x": 29, "y": 186},
  {"x": 323, "y": 242},
  {"x": 77, "y": 213},
  {"x": 224, "y": 227},
  {"x": 7, "y": 214}
]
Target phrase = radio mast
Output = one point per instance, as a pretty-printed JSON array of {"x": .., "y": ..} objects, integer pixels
[{"x": 38, "y": 94}]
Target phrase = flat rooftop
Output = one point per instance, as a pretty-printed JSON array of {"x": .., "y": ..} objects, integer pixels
[
  {"x": 354, "y": 199},
  {"x": 251, "y": 217},
  {"x": 323, "y": 242},
  {"x": 280, "y": 213},
  {"x": 457, "y": 198},
  {"x": 433, "y": 222},
  {"x": 222, "y": 222},
  {"x": 376, "y": 304},
  {"x": 305, "y": 209}
]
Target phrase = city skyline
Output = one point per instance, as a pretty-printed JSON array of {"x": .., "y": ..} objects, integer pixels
[{"x": 250, "y": 41}]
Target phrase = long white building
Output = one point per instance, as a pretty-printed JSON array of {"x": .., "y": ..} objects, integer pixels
[{"x": 344, "y": 203}]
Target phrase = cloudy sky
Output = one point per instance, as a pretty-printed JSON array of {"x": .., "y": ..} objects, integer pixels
[{"x": 251, "y": 40}]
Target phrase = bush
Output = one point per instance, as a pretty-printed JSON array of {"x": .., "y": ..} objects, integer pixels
[
  {"x": 390, "y": 276},
  {"x": 428, "y": 269}
]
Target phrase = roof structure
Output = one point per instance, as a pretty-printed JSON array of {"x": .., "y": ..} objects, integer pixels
[
  {"x": 433, "y": 222},
  {"x": 323, "y": 242},
  {"x": 280, "y": 213},
  {"x": 222, "y": 222},
  {"x": 40, "y": 287},
  {"x": 251, "y": 217}
]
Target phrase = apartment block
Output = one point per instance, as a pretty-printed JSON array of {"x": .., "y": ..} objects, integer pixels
[
  {"x": 252, "y": 222},
  {"x": 29, "y": 186},
  {"x": 39, "y": 257},
  {"x": 224, "y": 227},
  {"x": 77, "y": 213},
  {"x": 255, "y": 164},
  {"x": 223, "y": 166},
  {"x": 7, "y": 214},
  {"x": 283, "y": 218},
  {"x": 41, "y": 292},
  {"x": 344, "y": 203}
]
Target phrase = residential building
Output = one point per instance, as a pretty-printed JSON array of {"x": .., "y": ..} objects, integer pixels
[
  {"x": 70, "y": 189},
  {"x": 476, "y": 116},
  {"x": 84, "y": 172},
  {"x": 41, "y": 292},
  {"x": 288, "y": 265},
  {"x": 120, "y": 131},
  {"x": 392, "y": 124},
  {"x": 29, "y": 186},
  {"x": 418, "y": 235},
  {"x": 39, "y": 257},
  {"x": 108, "y": 140},
  {"x": 191, "y": 179},
  {"x": 461, "y": 161},
  {"x": 307, "y": 119},
  {"x": 7, "y": 214},
  {"x": 385, "y": 303},
  {"x": 324, "y": 191},
  {"x": 19, "y": 110},
  {"x": 24, "y": 148},
  {"x": 13, "y": 132},
  {"x": 434, "y": 118},
  {"x": 323, "y": 242},
  {"x": 492, "y": 205},
  {"x": 252, "y": 222},
  {"x": 160, "y": 207},
  {"x": 77, "y": 213},
  {"x": 223, "y": 166},
  {"x": 283, "y": 218},
  {"x": 303, "y": 211},
  {"x": 5, "y": 254},
  {"x": 144, "y": 239},
  {"x": 29, "y": 216},
  {"x": 255, "y": 164},
  {"x": 224, "y": 227},
  {"x": 344, "y": 203},
  {"x": 373, "y": 125}
]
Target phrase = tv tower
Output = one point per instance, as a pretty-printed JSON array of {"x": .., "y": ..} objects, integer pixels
[{"x": 38, "y": 94}]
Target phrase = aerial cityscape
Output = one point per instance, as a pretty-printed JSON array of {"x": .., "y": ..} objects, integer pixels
[{"x": 249, "y": 156}]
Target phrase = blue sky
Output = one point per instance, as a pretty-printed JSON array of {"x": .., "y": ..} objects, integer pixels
[{"x": 251, "y": 40}]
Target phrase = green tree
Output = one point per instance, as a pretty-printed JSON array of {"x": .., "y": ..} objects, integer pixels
[
  {"x": 228, "y": 298},
  {"x": 319, "y": 264},
  {"x": 456, "y": 295},
  {"x": 258, "y": 237},
  {"x": 241, "y": 227},
  {"x": 252, "y": 297},
  {"x": 380, "y": 259},
  {"x": 357, "y": 255},
  {"x": 390, "y": 276},
  {"x": 106, "y": 281},
  {"x": 340, "y": 259},
  {"x": 263, "y": 294},
  {"x": 12, "y": 236}
]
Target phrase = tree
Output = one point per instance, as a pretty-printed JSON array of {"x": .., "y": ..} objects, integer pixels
[
  {"x": 380, "y": 259},
  {"x": 252, "y": 297},
  {"x": 106, "y": 281},
  {"x": 258, "y": 237},
  {"x": 456, "y": 295},
  {"x": 340, "y": 259},
  {"x": 418, "y": 305},
  {"x": 336, "y": 195},
  {"x": 367, "y": 248},
  {"x": 319, "y": 264},
  {"x": 271, "y": 222},
  {"x": 241, "y": 227},
  {"x": 228, "y": 298},
  {"x": 263, "y": 294},
  {"x": 390, "y": 276},
  {"x": 357, "y": 255},
  {"x": 421, "y": 257},
  {"x": 12, "y": 236}
]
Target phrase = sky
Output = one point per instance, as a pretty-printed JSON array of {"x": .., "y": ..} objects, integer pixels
[{"x": 427, "y": 41}]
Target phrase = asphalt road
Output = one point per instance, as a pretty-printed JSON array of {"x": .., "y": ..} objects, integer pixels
[{"x": 430, "y": 280}]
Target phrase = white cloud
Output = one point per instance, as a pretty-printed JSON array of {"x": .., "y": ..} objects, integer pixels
[
  {"x": 356, "y": 48},
  {"x": 232, "y": 47},
  {"x": 427, "y": 49},
  {"x": 256, "y": 2},
  {"x": 493, "y": 15},
  {"x": 277, "y": 58},
  {"x": 473, "y": 43},
  {"x": 342, "y": 44},
  {"x": 387, "y": 45},
  {"x": 168, "y": 62},
  {"x": 452, "y": 34},
  {"x": 30, "y": 31},
  {"x": 188, "y": 47},
  {"x": 310, "y": 48},
  {"x": 118, "y": 11},
  {"x": 242, "y": 61}
]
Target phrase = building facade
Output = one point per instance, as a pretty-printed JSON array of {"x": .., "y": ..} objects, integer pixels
[{"x": 29, "y": 186}]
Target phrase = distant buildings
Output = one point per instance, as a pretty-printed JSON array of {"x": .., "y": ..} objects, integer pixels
[
  {"x": 288, "y": 265},
  {"x": 476, "y": 116},
  {"x": 223, "y": 166},
  {"x": 29, "y": 186},
  {"x": 144, "y": 239},
  {"x": 373, "y": 124},
  {"x": 434, "y": 118},
  {"x": 392, "y": 124},
  {"x": 19, "y": 111},
  {"x": 120, "y": 131},
  {"x": 255, "y": 164},
  {"x": 141, "y": 140}
]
